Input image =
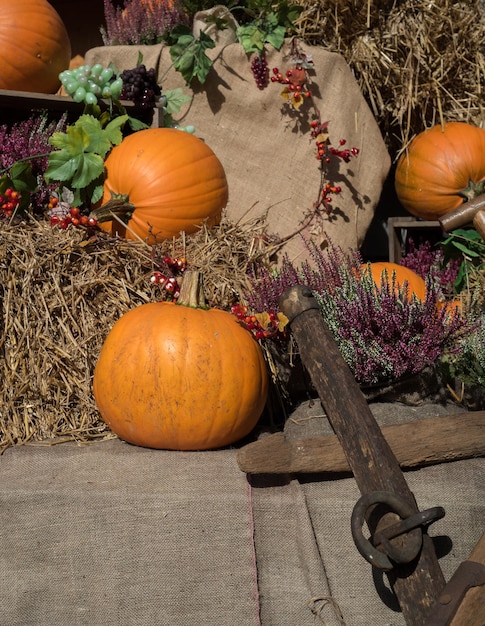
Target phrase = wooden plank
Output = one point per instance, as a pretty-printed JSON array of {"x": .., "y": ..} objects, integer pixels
[
  {"x": 28, "y": 100},
  {"x": 419, "y": 443},
  {"x": 375, "y": 468},
  {"x": 31, "y": 101}
]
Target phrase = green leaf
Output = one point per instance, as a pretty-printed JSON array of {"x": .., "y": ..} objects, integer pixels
[
  {"x": 112, "y": 131},
  {"x": 466, "y": 250},
  {"x": 62, "y": 166},
  {"x": 188, "y": 54},
  {"x": 276, "y": 37},
  {"x": 251, "y": 37},
  {"x": 90, "y": 166},
  {"x": 97, "y": 193},
  {"x": 136, "y": 124},
  {"x": 176, "y": 98},
  {"x": 74, "y": 141}
]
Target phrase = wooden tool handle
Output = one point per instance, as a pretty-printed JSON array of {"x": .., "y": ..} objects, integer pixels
[
  {"x": 369, "y": 455},
  {"x": 423, "y": 442},
  {"x": 463, "y": 215},
  {"x": 479, "y": 222}
]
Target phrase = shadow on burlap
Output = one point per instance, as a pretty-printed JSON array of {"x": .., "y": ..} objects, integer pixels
[
  {"x": 109, "y": 534},
  {"x": 268, "y": 155}
]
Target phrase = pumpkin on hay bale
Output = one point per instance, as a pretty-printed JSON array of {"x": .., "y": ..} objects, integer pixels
[
  {"x": 161, "y": 182},
  {"x": 62, "y": 293}
]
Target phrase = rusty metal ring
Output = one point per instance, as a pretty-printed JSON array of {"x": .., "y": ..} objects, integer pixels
[{"x": 364, "y": 546}]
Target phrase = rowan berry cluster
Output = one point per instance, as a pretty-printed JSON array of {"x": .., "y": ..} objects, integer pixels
[
  {"x": 295, "y": 81},
  {"x": 319, "y": 131},
  {"x": 62, "y": 215},
  {"x": 262, "y": 325},
  {"x": 9, "y": 202},
  {"x": 169, "y": 280}
]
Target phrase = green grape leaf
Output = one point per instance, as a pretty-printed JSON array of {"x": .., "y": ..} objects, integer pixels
[
  {"x": 112, "y": 132},
  {"x": 176, "y": 98},
  {"x": 97, "y": 193},
  {"x": 73, "y": 141},
  {"x": 136, "y": 124},
  {"x": 77, "y": 170},
  {"x": 276, "y": 37},
  {"x": 188, "y": 54},
  {"x": 251, "y": 37}
]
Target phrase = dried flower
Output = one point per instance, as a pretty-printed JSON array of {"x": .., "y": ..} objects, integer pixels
[{"x": 141, "y": 22}]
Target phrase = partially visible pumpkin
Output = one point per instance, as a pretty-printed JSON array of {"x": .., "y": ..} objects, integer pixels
[
  {"x": 162, "y": 181},
  {"x": 443, "y": 167},
  {"x": 452, "y": 307},
  {"x": 179, "y": 376},
  {"x": 34, "y": 46},
  {"x": 403, "y": 277}
]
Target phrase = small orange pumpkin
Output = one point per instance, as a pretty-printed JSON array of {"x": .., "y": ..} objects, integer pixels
[
  {"x": 386, "y": 271},
  {"x": 180, "y": 376},
  {"x": 34, "y": 46},
  {"x": 162, "y": 181},
  {"x": 443, "y": 167}
]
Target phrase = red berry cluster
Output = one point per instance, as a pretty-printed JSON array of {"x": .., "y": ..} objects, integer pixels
[
  {"x": 271, "y": 327},
  {"x": 70, "y": 217},
  {"x": 169, "y": 280},
  {"x": 9, "y": 201},
  {"x": 295, "y": 81}
]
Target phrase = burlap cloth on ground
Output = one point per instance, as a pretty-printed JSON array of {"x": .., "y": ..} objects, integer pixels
[
  {"x": 268, "y": 156},
  {"x": 113, "y": 535}
]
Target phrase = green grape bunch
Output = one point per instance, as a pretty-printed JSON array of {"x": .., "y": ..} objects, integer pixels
[{"x": 87, "y": 84}]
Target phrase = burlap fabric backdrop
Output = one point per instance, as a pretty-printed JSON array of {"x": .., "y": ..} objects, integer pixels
[
  {"x": 268, "y": 157},
  {"x": 109, "y": 534}
]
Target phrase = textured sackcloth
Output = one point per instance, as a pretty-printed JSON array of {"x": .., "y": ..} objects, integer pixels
[
  {"x": 268, "y": 154},
  {"x": 110, "y": 534}
]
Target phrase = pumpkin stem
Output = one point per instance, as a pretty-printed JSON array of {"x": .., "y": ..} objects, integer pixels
[
  {"x": 192, "y": 290},
  {"x": 473, "y": 190},
  {"x": 118, "y": 205}
]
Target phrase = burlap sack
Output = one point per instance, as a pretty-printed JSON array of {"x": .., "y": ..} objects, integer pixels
[{"x": 268, "y": 154}]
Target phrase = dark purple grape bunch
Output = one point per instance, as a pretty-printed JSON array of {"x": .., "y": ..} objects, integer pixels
[
  {"x": 140, "y": 86},
  {"x": 259, "y": 68}
]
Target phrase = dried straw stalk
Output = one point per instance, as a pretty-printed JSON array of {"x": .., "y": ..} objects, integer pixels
[{"x": 418, "y": 62}]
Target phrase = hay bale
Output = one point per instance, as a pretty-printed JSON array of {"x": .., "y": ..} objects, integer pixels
[
  {"x": 60, "y": 295},
  {"x": 417, "y": 62}
]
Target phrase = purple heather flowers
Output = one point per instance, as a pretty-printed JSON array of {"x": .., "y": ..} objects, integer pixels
[
  {"x": 382, "y": 333},
  {"x": 142, "y": 22},
  {"x": 27, "y": 139}
]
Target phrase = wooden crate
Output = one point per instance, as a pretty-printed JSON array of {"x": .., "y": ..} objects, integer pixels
[
  {"x": 398, "y": 231},
  {"x": 18, "y": 105}
]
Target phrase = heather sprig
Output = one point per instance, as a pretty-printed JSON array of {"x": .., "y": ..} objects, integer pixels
[
  {"x": 468, "y": 365},
  {"x": 28, "y": 140},
  {"x": 382, "y": 333},
  {"x": 141, "y": 22},
  {"x": 430, "y": 263}
]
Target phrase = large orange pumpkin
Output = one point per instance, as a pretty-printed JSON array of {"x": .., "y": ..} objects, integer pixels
[
  {"x": 34, "y": 46},
  {"x": 442, "y": 168},
  {"x": 403, "y": 277},
  {"x": 180, "y": 377},
  {"x": 163, "y": 181}
]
